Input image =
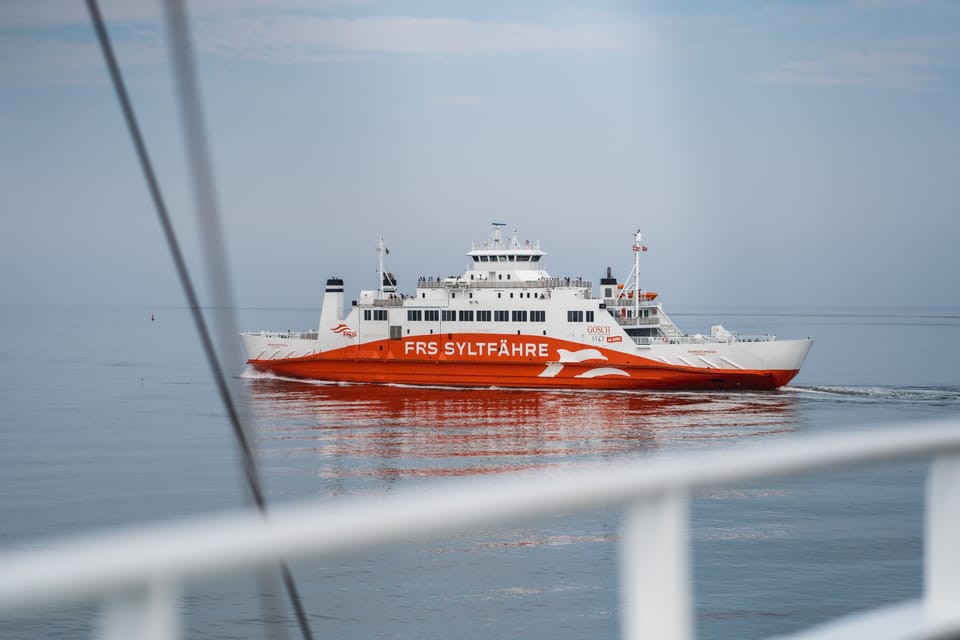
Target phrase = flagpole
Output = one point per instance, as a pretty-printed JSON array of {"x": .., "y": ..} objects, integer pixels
[{"x": 636, "y": 277}]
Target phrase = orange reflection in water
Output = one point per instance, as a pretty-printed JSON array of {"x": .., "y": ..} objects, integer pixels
[{"x": 391, "y": 432}]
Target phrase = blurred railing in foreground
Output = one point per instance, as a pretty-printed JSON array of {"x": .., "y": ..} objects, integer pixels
[{"x": 137, "y": 575}]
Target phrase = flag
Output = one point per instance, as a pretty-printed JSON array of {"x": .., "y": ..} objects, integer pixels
[
  {"x": 644, "y": 247},
  {"x": 387, "y": 250}
]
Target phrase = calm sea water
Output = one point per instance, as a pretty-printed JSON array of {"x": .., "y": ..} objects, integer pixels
[{"x": 111, "y": 419}]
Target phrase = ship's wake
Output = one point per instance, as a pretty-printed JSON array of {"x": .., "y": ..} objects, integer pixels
[{"x": 911, "y": 395}]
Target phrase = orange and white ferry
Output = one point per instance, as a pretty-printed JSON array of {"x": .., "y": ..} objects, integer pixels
[{"x": 507, "y": 323}]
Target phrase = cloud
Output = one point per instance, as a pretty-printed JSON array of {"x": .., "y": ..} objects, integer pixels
[
  {"x": 51, "y": 41},
  {"x": 59, "y": 13},
  {"x": 881, "y": 70},
  {"x": 26, "y": 61},
  {"x": 295, "y": 38}
]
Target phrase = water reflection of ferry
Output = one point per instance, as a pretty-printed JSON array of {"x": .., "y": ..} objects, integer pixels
[
  {"x": 506, "y": 322},
  {"x": 396, "y": 431}
]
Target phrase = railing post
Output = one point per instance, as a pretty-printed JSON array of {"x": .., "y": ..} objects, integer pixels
[
  {"x": 941, "y": 562},
  {"x": 655, "y": 600},
  {"x": 147, "y": 612}
]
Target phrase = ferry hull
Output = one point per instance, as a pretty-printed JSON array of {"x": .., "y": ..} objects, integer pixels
[{"x": 533, "y": 363}]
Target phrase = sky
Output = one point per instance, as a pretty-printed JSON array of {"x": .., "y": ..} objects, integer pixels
[{"x": 775, "y": 155}]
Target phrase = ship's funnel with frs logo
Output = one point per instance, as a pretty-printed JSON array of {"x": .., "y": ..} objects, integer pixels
[{"x": 331, "y": 313}]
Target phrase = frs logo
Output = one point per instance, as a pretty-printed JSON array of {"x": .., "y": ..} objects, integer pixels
[{"x": 344, "y": 330}]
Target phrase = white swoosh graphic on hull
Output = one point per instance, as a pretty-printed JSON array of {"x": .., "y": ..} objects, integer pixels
[
  {"x": 551, "y": 371},
  {"x": 603, "y": 371},
  {"x": 579, "y": 356}
]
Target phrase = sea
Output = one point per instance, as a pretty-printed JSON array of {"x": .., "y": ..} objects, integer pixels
[{"x": 110, "y": 419}]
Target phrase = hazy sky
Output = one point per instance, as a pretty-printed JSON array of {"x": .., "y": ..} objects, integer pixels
[{"x": 802, "y": 155}]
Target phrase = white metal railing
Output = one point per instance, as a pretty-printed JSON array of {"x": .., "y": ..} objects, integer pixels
[
  {"x": 455, "y": 282},
  {"x": 137, "y": 574},
  {"x": 285, "y": 335}
]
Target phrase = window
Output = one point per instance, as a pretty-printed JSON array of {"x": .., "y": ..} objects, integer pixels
[
  {"x": 589, "y": 316},
  {"x": 574, "y": 316},
  {"x": 511, "y": 293},
  {"x": 523, "y": 258},
  {"x": 396, "y": 332},
  {"x": 513, "y": 258},
  {"x": 538, "y": 316},
  {"x": 483, "y": 258},
  {"x": 476, "y": 258},
  {"x": 366, "y": 314},
  {"x": 534, "y": 258},
  {"x": 484, "y": 316},
  {"x": 466, "y": 315},
  {"x": 431, "y": 315},
  {"x": 501, "y": 316},
  {"x": 519, "y": 315},
  {"x": 448, "y": 315},
  {"x": 380, "y": 314},
  {"x": 414, "y": 315}
]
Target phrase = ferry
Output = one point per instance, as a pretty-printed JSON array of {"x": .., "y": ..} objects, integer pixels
[{"x": 506, "y": 322}]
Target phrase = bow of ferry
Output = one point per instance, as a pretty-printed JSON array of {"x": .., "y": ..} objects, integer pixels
[{"x": 507, "y": 323}]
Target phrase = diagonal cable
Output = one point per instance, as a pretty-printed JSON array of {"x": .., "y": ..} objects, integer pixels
[{"x": 191, "y": 114}]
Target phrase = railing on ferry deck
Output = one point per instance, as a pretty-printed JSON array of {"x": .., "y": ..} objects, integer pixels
[
  {"x": 457, "y": 282},
  {"x": 137, "y": 576},
  {"x": 285, "y": 335},
  {"x": 647, "y": 340}
]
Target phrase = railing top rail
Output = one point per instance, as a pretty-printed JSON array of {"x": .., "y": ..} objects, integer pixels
[{"x": 79, "y": 570}]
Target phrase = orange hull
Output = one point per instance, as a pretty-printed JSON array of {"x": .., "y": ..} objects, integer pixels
[{"x": 474, "y": 361}]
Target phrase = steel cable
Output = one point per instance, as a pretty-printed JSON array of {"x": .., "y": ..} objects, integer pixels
[{"x": 207, "y": 211}]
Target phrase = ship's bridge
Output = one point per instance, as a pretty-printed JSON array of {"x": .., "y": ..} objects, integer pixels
[{"x": 513, "y": 261}]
